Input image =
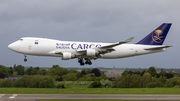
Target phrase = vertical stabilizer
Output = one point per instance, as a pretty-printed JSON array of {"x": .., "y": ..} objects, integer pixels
[{"x": 157, "y": 36}]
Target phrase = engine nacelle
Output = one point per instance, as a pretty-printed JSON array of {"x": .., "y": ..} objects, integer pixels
[
  {"x": 92, "y": 52},
  {"x": 67, "y": 56}
]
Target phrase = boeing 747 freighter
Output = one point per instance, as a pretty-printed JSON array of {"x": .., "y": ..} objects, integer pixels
[{"x": 87, "y": 51}]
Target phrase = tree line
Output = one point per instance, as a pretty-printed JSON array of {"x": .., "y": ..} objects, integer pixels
[
  {"x": 150, "y": 78},
  {"x": 42, "y": 78}
]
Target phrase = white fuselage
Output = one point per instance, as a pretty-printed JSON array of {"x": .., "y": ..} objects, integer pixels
[
  {"x": 87, "y": 51},
  {"x": 48, "y": 47}
]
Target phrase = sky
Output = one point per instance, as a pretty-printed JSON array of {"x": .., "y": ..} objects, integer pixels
[{"x": 91, "y": 21}]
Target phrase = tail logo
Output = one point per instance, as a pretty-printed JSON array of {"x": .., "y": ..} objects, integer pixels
[{"x": 157, "y": 36}]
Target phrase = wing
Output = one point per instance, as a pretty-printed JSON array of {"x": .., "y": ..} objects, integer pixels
[
  {"x": 104, "y": 49},
  {"x": 116, "y": 44},
  {"x": 109, "y": 48},
  {"x": 93, "y": 53}
]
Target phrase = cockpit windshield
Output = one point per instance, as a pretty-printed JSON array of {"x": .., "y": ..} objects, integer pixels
[{"x": 20, "y": 39}]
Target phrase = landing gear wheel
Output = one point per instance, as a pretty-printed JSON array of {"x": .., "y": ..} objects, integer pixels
[
  {"x": 82, "y": 64},
  {"x": 81, "y": 61},
  {"x": 88, "y": 62},
  {"x": 25, "y": 60}
]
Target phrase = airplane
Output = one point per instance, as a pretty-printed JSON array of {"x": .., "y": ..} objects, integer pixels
[{"x": 87, "y": 51}]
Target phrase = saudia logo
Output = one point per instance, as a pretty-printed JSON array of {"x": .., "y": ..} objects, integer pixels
[
  {"x": 75, "y": 46},
  {"x": 157, "y": 36}
]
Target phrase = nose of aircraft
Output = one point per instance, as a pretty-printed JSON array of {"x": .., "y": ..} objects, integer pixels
[{"x": 13, "y": 46}]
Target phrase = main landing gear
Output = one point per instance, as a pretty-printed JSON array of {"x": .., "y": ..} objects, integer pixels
[
  {"x": 25, "y": 58},
  {"x": 81, "y": 61},
  {"x": 87, "y": 61}
]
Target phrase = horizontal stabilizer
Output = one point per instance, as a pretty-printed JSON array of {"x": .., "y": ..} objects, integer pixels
[{"x": 156, "y": 48}]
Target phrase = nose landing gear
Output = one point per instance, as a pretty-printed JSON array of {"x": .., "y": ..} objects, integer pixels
[{"x": 25, "y": 58}]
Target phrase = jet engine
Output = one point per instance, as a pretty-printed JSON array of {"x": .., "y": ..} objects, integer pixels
[
  {"x": 67, "y": 56},
  {"x": 92, "y": 52}
]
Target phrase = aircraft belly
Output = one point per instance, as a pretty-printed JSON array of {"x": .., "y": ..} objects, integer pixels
[{"x": 118, "y": 54}]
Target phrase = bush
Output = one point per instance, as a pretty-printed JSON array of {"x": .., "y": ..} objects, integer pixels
[
  {"x": 68, "y": 86},
  {"x": 96, "y": 72},
  {"x": 108, "y": 85},
  {"x": 35, "y": 81},
  {"x": 160, "y": 84},
  {"x": 173, "y": 82},
  {"x": 83, "y": 79},
  {"x": 58, "y": 78},
  {"x": 95, "y": 84},
  {"x": 128, "y": 81},
  {"x": 151, "y": 85},
  {"x": 176, "y": 86},
  {"x": 70, "y": 77},
  {"x": 60, "y": 86},
  {"x": 7, "y": 83}
]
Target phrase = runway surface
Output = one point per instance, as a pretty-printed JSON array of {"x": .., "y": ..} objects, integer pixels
[{"x": 36, "y": 97}]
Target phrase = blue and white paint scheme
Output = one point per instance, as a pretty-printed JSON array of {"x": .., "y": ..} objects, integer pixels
[{"x": 87, "y": 51}]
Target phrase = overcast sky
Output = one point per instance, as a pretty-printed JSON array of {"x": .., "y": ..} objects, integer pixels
[{"x": 92, "y": 21}]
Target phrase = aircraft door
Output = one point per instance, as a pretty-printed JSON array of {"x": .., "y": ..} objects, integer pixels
[{"x": 30, "y": 46}]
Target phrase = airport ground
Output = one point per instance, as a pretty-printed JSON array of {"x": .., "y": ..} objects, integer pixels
[
  {"x": 84, "y": 97},
  {"x": 90, "y": 91},
  {"x": 89, "y": 94},
  {"x": 79, "y": 91}
]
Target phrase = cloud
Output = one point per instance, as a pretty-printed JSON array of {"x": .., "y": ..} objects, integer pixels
[{"x": 92, "y": 20}]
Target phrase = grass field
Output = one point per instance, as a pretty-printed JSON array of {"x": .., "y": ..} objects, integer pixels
[
  {"x": 90, "y": 91},
  {"x": 75, "y": 84}
]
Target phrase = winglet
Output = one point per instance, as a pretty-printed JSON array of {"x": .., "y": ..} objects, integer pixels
[
  {"x": 119, "y": 43},
  {"x": 128, "y": 40}
]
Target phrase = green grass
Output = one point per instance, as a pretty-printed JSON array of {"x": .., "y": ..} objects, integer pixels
[
  {"x": 90, "y": 91},
  {"x": 75, "y": 84}
]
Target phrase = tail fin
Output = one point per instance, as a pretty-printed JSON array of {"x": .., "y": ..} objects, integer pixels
[{"x": 157, "y": 36}]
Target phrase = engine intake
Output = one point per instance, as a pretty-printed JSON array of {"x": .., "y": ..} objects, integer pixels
[
  {"x": 67, "y": 56},
  {"x": 92, "y": 52}
]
